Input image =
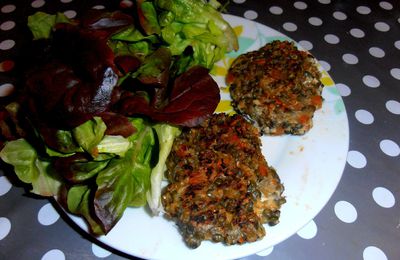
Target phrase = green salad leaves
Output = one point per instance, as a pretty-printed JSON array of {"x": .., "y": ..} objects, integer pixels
[
  {"x": 41, "y": 24},
  {"x": 96, "y": 131},
  {"x": 107, "y": 174},
  {"x": 193, "y": 23},
  {"x": 30, "y": 168}
]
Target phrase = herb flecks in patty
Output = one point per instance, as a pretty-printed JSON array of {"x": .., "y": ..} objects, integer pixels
[
  {"x": 221, "y": 187},
  {"x": 277, "y": 87}
]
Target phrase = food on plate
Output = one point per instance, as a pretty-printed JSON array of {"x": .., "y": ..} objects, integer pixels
[
  {"x": 103, "y": 97},
  {"x": 221, "y": 187},
  {"x": 277, "y": 87}
]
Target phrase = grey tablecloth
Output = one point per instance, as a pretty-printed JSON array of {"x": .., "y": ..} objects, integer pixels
[{"x": 357, "y": 42}]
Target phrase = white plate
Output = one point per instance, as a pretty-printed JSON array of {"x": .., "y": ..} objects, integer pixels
[{"x": 310, "y": 167}]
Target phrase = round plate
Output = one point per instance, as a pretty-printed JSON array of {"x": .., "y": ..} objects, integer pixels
[{"x": 309, "y": 166}]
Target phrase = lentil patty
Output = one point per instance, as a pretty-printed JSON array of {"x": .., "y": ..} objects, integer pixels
[
  {"x": 221, "y": 187},
  {"x": 277, "y": 87}
]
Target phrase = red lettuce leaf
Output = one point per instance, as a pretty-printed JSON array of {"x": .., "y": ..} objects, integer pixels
[
  {"x": 76, "y": 81},
  {"x": 104, "y": 24},
  {"x": 117, "y": 124},
  {"x": 194, "y": 97}
]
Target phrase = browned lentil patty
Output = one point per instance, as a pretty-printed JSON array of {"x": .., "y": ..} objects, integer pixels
[
  {"x": 221, "y": 187},
  {"x": 277, "y": 87}
]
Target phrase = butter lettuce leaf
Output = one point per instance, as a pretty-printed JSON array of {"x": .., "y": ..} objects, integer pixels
[
  {"x": 125, "y": 181},
  {"x": 198, "y": 24},
  {"x": 30, "y": 168},
  {"x": 41, "y": 24},
  {"x": 89, "y": 134},
  {"x": 79, "y": 203},
  {"x": 114, "y": 144},
  {"x": 166, "y": 135}
]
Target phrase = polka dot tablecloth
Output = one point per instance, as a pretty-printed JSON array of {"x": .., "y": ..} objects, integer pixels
[{"x": 357, "y": 42}]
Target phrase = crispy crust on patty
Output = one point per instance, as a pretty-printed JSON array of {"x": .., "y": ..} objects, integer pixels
[
  {"x": 221, "y": 187},
  {"x": 277, "y": 87}
]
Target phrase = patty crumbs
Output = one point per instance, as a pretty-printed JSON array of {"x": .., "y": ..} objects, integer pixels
[
  {"x": 277, "y": 87},
  {"x": 221, "y": 187}
]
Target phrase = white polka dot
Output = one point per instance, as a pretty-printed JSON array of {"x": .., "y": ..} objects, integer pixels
[
  {"x": 350, "y": 58},
  {"x": 397, "y": 44},
  {"x": 99, "y": 251},
  {"x": 371, "y": 81},
  {"x": 306, "y": 45},
  {"x": 331, "y": 38},
  {"x": 325, "y": 65},
  {"x": 48, "y": 215},
  {"x": 6, "y": 89},
  {"x": 315, "y": 21},
  {"x": 386, "y": 5},
  {"x": 383, "y": 197},
  {"x": 290, "y": 27},
  {"x": 275, "y": 10},
  {"x": 5, "y": 227},
  {"x": 7, "y": 44},
  {"x": 250, "y": 14},
  {"x": 126, "y": 4},
  {"x": 5, "y": 185},
  {"x": 364, "y": 117},
  {"x": 373, "y": 253},
  {"x": 98, "y": 7},
  {"x": 381, "y": 26},
  {"x": 8, "y": 9},
  {"x": 266, "y": 251},
  {"x": 339, "y": 16},
  {"x": 363, "y": 9},
  {"x": 325, "y": 2},
  {"x": 308, "y": 231},
  {"x": 38, "y": 3},
  {"x": 376, "y": 52},
  {"x": 65, "y": 1},
  {"x": 393, "y": 106},
  {"x": 356, "y": 159},
  {"x": 345, "y": 211},
  {"x": 54, "y": 254},
  {"x": 389, "y": 147},
  {"x": 357, "y": 33},
  {"x": 8, "y": 25},
  {"x": 344, "y": 90},
  {"x": 300, "y": 5},
  {"x": 239, "y": 1},
  {"x": 70, "y": 14},
  {"x": 395, "y": 72}
]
